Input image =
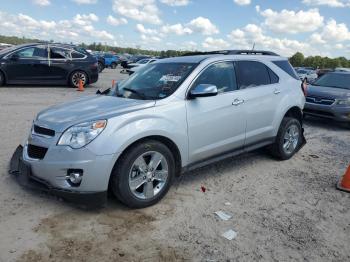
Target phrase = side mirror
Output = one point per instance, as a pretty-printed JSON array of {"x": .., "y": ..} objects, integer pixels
[
  {"x": 14, "y": 57},
  {"x": 203, "y": 90}
]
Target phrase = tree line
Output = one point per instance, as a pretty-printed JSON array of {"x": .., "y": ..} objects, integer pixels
[{"x": 299, "y": 60}]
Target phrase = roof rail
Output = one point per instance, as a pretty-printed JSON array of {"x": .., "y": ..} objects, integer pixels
[{"x": 233, "y": 52}]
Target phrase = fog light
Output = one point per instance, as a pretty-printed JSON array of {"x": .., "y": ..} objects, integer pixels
[{"x": 74, "y": 176}]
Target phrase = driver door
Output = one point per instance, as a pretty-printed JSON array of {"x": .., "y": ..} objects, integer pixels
[{"x": 216, "y": 125}]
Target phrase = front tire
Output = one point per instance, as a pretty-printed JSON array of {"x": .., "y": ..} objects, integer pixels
[
  {"x": 76, "y": 76},
  {"x": 143, "y": 174},
  {"x": 100, "y": 67},
  {"x": 288, "y": 140},
  {"x": 113, "y": 65}
]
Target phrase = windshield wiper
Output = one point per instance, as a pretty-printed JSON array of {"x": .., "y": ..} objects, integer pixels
[{"x": 142, "y": 95}]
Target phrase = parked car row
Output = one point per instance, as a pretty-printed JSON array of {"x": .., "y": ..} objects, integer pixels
[{"x": 47, "y": 64}]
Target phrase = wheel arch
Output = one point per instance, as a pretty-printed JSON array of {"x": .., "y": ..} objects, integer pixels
[
  {"x": 295, "y": 112},
  {"x": 4, "y": 74},
  {"x": 164, "y": 140},
  {"x": 78, "y": 69}
]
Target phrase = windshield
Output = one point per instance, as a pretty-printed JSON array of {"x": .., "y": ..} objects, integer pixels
[
  {"x": 143, "y": 61},
  {"x": 334, "y": 80},
  {"x": 154, "y": 81},
  {"x": 302, "y": 72}
]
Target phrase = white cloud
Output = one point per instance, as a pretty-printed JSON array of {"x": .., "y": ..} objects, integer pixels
[
  {"x": 85, "y": 2},
  {"x": 175, "y": 2},
  {"x": 334, "y": 32},
  {"x": 251, "y": 34},
  {"x": 145, "y": 11},
  {"x": 177, "y": 29},
  {"x": 292, "y": 22},
  {"x": 203, "y": 25},
  {"x": 145, "y": 31},
  {"x": 331, "y": 3},
  {"x": 79, "y": 28},
  {"x": 42, "y": 2},
  {"x": 242, "y": 2},
  {"x": 215, "y": 43},
  {"x": 116, "y": 21}
]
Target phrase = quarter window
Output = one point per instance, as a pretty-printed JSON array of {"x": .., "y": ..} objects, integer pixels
[
  {"x": 273, "y": 77},
  {"x": 251, "y": 74},
  {"x": 222, "y": 75},
  {"x": 286, "y": 67}
]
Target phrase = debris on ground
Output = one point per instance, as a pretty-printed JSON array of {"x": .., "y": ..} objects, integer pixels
[
  {"x": 203, "y": 189},
  {"x": 224, "y": 216},
  {"x": 230, "y": 234}
]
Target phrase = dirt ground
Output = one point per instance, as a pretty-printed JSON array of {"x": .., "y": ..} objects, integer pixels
[{"x": 282, "y": 211}]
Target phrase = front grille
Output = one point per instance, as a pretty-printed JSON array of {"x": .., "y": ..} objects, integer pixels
[
  {"x": 43, "y": 131},
  {"x": 36, "y": 152},
  {"x": 320, "y": 100}
]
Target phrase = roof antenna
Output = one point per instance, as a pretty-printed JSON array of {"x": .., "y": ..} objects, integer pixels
[{"x": 253, "y": 46}]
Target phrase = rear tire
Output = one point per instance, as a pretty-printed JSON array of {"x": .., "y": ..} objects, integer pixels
[
  {"x": 288, "y": 140},
  {"x": 139, "y": 182},
  {"x": 2, "y": 79},
  {"x": 76, "y": 76},
  {"x": 113, "y": 65},
  {"x": 100, "y": 67}
]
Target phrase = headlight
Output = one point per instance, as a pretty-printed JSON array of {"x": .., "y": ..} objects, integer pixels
[
  {"x": 343, "y": 102},
  {"x": 82, "y": 134}
]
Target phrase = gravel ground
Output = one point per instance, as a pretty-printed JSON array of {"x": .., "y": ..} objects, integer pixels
[{"x": 282, "y": 211}]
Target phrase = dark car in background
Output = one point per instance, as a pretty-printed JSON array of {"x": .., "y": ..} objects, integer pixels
[
  {"x": 131, "y": 60},
  {"x": 47, "y": 64},
  {"x": 329, "y": 96},
  {"x": 101, "y": 62}
]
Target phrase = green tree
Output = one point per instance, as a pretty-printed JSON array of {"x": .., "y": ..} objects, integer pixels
[{"x": 297, "y": 59}]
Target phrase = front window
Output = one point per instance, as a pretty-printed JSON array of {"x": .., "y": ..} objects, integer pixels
[
  {"x": 32, "y": 52},
  {"x": 334, "y": 80},
  {"x": 154, "y": 81}
]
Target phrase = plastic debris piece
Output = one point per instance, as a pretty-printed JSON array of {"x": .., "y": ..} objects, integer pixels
[
  {"x": 314, "y": 156},
  {"x": 230, "y": 234},
  {"x": 223, "y": 215},
  {"x": 227, "y": 204},
  {"x": 203, "y": 189}
]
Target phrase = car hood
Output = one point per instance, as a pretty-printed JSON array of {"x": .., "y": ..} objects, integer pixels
[
  {"x": 328, "y": 92},
  {"x": 88, "y": 108}
]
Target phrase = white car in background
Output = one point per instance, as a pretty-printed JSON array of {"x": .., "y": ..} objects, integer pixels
[
  {"x": 310, "y": 75},
  {"x": 140, "y": 64}
]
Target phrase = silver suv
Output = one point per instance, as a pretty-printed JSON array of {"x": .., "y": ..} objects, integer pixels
[{"x": 169, "y": 117}]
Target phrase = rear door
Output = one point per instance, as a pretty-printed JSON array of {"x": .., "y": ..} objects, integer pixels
[
  {"x": 261, "y": 90},
  {"x": 60, "y": 63},
  {"x": 216, "y": 124},
  {"x": 30, "y": 65}
]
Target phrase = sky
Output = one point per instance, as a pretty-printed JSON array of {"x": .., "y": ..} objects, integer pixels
[{"x": 313, "y": 27}]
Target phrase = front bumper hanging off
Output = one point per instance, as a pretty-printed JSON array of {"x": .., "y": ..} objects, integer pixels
[{"x": 23, "y": 173}]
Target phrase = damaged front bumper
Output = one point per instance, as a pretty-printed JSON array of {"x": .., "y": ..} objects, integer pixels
[{"x": 23, "y": 173}]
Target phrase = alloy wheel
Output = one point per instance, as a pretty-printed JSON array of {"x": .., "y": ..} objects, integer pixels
[
  {"x": 148, "y": 175},
  {"x": 77, "y": 76},
  {"x": 291, "y": 139}
]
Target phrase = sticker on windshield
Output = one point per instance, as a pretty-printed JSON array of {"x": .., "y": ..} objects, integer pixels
[{"x": 170, "y": 78}]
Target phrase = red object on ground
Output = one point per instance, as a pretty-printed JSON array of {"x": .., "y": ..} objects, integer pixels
[
  {"x": 113, "y": 83},
  {"x": 203, "y": 189},
  {"x": 80, "y": 86},
  {"x": 344, "y": 184}
]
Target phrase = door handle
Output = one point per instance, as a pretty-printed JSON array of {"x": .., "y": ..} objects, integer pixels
[
  {"x": 237, "y": 102},
  {"x": 277, "y": 91}
]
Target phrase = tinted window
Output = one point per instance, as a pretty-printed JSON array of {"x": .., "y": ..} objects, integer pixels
[
  {"x": 334, "y": 80},
  {"x": 222, "y": 75},
  {"x": 77, "y": 55},
  {"x": 251, "y": 73},
  {"x": 32, "y": 52},
  {"x": 273, "y": 77},
  {"x": 59, "y": 53},
  {"x": 286, "y": 67}
]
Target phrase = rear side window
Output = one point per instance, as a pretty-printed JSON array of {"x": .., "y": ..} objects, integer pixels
[
  {"x": 251, "y": 74},
  {"x": 286, "y": 67},
  {"x": 59, "y": 53},
  {"x": 77, "y": 55}
]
